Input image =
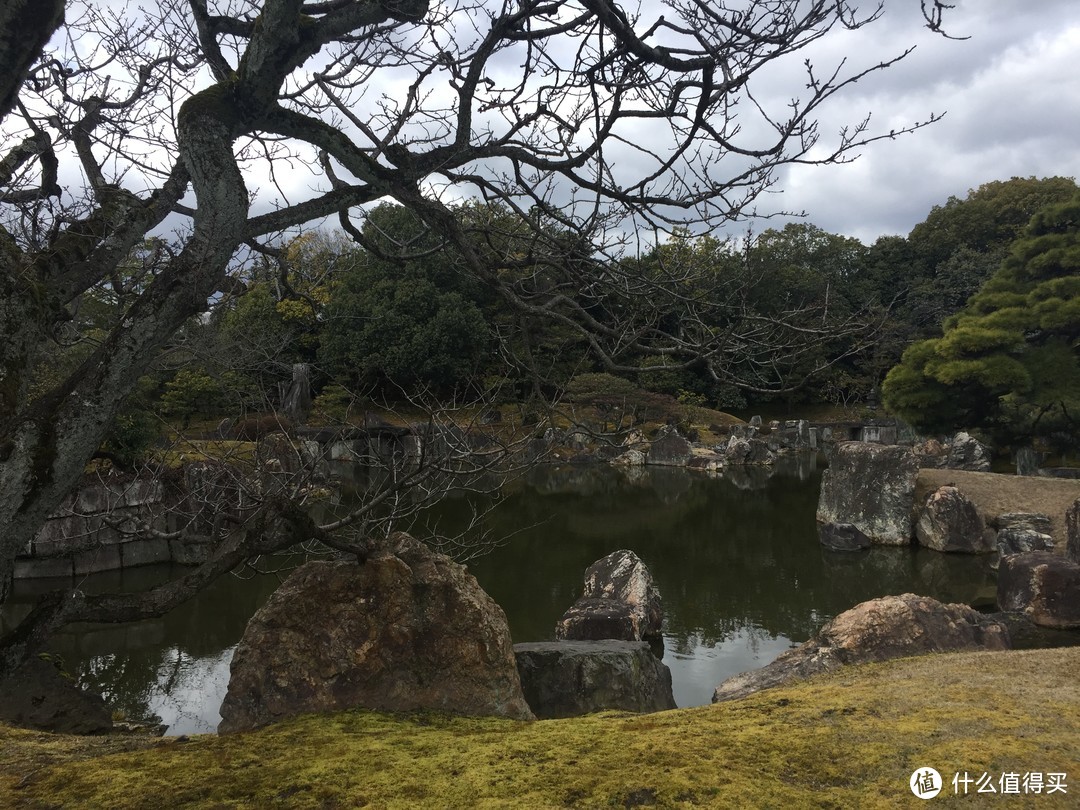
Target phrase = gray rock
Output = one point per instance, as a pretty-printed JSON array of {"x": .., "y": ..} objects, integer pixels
[
  {"x": 755, "y": 421},
  {"x": 1042, "y": 585},
  {"x": 669, "y": 448},
  {"x": 276, "y": 453},
  {"x": 630, "y": 458},
  {"x": 842, "y": 537},
  {"x": 968, "y": 453},
  {"x": 210, "y": 488},
  {"x": 742, "y": 432},
  {"x": 572, "y": 678},
  {"x": 1035, "y": 521},
  {"x": 314, "y": 458},
  {"x": 1019, "y": 541},
  {"x": 1027, "y": 462},
  {"x": 949, "y": 522},
  {"x": 296, "y": 402},
  {"x": 619, "y": 601},
  {"x": 751, "y": 451},
  {"x": 878, "y": 630},
  {"x": 873, "y": 487},
  {"x": 399, "y": 632}
]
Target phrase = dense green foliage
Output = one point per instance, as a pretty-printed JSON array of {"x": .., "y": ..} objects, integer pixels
[
  {"x": 960, "y": 244},
  {"x": 403, "y": 316},
  {"x": 1009, "y": 362},
  {"x": 391, "y": 312}
]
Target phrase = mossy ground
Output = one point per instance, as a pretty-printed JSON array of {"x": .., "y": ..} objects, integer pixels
[{"x": 848, "y": 740}]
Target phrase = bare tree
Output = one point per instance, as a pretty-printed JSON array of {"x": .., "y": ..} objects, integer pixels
[{"x": 585, "y": 120}]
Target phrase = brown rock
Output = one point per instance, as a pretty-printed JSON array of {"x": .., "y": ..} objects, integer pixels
[
  {"x": 619, "y": 601},
  {"x": 397, "y": 633},
  {"x": 889, "y": 627},
  {"x": 931, "y": 453},
  {"x": 895, "y": 626},
  {"x": 1043, "y": 586},
  {"x": 950, "y": 522}
]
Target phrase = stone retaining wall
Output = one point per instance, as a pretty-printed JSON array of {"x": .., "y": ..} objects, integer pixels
[{"x": 83, "y": 536}]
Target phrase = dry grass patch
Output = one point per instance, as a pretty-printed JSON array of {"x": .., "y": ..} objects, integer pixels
[
  {"x": 847, "y": 740},
  {"x": 994, "y": 494}
]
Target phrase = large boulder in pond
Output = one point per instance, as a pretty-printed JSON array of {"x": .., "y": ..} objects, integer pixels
[
  {"x": 889, "y": 627},
  {"x": 619, "y": 601},
  {"x": 950, "y": 522},
  {"x": 399, "y": 632},
  {"x": 572, "y": 678},
  {"x": 871, "y": 486},
  {"x": 1043, "y": 586},
  {"x": 669, "y": 449}
]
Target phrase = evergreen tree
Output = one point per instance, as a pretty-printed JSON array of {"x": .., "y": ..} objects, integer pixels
[{"x": 1009, "y": 362}]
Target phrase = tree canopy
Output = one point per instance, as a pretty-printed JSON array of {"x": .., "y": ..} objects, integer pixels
[{"x": 1009, "y": 362}]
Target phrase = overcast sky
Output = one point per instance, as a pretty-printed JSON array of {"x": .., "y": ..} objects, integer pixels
[{"x": 1011, "y": 94}]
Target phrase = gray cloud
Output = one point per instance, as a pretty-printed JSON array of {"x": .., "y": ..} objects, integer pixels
[{"x": 1012, "y": 96}]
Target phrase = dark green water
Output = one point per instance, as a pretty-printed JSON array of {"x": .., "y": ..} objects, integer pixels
[{"x": 737, "y": 562}]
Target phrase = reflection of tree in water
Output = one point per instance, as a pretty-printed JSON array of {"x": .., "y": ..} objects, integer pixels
[
  {"x": 160, "y": 685},
  {"x": 689, "y": 643},
  {"x": 175, "y": 666}
]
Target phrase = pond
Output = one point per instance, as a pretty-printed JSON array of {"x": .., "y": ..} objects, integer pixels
[{"x": 736, "y": 559}]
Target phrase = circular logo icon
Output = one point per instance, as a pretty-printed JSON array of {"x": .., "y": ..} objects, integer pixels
[{"x": 925, "y": 783}]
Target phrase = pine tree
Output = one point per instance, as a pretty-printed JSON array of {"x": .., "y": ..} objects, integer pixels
[{"x": 1009, "y": 362}]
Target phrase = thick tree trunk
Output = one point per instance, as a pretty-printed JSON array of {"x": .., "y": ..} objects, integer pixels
[
  {"x": 25, "y": 27},
  {"x": 46, "y": 443}
]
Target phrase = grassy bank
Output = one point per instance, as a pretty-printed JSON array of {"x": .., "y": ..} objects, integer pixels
[{"x": 848, "y": 740}]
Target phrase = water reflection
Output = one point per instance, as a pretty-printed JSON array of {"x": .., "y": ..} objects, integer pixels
[{"x": 736, "y": 559}]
